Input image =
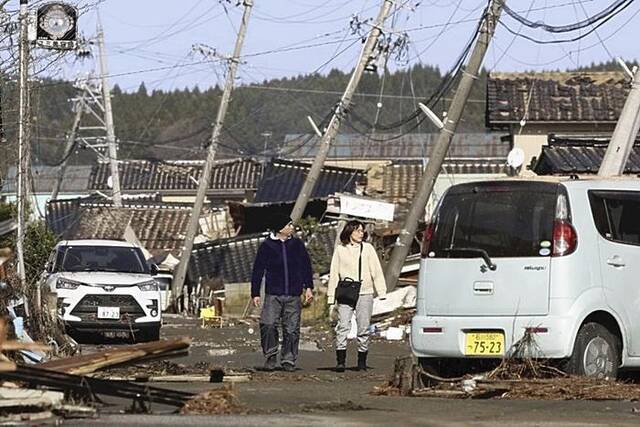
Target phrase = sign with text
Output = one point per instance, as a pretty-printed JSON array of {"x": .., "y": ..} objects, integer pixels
[{"x": 366, "y": 208}]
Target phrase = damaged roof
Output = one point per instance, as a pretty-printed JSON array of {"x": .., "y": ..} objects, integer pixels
[
  {"x": 565, "y": 156},
  {"x": 398, "y": 182},
  {"x": 569, "y": 97},
  {"x": 157, "y": 228},
  {"x": 393, "y": 147},
  {"x": 282, "y": 181},
  {"x": 232, "y": 259},
  {"x": 61, "y": 214},
  {"x": 178, "y": 176}
]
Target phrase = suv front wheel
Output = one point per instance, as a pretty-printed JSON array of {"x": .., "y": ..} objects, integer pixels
[{"x": 596, "y": 353}]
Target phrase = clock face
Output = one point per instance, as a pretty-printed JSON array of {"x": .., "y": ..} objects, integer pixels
[{"x": 56, "y": 22}]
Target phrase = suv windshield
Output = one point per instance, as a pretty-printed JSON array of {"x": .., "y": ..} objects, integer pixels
[
  {"x": 102, "y": 258},
  {"x": 505, "y": 219}
]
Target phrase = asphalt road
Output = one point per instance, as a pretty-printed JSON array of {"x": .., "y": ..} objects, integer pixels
[{"x": 316, "y": 396}]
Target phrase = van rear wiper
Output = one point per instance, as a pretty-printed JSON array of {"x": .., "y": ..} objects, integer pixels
[{"x": 483, "y": 254}]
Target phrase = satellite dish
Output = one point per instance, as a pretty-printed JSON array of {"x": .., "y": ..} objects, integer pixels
[
  {"x": 515, "y": 159},
  {"x": 110, "y": 182}
]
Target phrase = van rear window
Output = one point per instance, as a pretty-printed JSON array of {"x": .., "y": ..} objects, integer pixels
[{"x": 506, "y": 219}]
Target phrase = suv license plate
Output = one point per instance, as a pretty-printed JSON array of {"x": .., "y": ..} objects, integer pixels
[
  {"x": 109, "y": 313},
  {"x": 484, "y": 344}
]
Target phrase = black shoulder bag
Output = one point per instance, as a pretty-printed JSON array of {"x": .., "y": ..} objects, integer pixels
[{"x": 348, "y": 290}]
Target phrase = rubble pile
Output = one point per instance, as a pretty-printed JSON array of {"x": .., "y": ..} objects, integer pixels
[
  {"x": 214, "y": 402},
  {"x": 516, "y": 379}
]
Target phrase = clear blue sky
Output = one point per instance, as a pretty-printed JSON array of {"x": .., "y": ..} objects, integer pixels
[{"x": 143, "y": 35}]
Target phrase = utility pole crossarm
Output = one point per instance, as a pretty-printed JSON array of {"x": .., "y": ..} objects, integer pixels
[
  {"x": 341, "y": 110},
  {"x": 439, "y": 152},
  {"x": 625, "y": 133},
  {"x": 181, "y": 270}
]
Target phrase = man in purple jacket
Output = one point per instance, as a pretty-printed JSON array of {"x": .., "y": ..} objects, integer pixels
[{"x": 285, "y": 262}]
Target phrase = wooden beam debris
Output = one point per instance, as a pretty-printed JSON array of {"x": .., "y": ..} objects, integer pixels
[
  {"x": 90, "y": 387},
  {"x": 86, "y": 364}
]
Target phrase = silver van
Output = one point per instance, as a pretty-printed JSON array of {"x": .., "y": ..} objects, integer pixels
[{"x": 555, "y": 261}]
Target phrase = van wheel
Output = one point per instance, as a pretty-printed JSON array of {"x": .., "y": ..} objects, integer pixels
[{"x": 596, "y": 353}]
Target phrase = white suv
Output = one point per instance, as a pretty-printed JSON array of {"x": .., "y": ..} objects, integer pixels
[
  {"x": 106, "y": 287},
  {"x": 556, "y": 260}
]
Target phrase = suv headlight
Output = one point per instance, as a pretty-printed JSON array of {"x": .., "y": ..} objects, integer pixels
[
  {"x": 151, "y": 285},
  {"x": 67, "y": 284}
]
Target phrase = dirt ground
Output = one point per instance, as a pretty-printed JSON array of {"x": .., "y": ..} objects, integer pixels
[{"x": 315, "y": 395}]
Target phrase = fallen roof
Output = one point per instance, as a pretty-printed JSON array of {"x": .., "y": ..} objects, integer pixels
[
  {"x": 282, "y": 181},
  {"x": 572, "y": 97},
  {"x": 398, "y": 182},
  {"x": 158, "y": 228},
  {"x": 232, "y": 259}
]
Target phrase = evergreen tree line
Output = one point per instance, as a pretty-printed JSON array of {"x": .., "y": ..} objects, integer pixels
[{"x": 177, "y": 124}]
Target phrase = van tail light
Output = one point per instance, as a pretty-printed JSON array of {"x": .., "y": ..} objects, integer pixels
[
  {"x": 565, "y": 238},
  {"x": 426, "y": 240}
]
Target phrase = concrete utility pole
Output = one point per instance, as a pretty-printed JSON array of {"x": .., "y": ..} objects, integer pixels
[
  {"x": 23, "y": 143},
  {"x": 469, "y": 75},
  {"x": 625, "y": 133},
  {"x": 69, "y": 147},
  {"x": 108, "y": 118},
  {"x": 181, "y": 271},
  {"x": 340, "y": 112}
]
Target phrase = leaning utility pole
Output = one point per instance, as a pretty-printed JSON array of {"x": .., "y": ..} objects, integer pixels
[
  {"x": 68, "y": 148},
  {"x": 23, "y": 143},
  {"x": 469, "y": 75},
  {"x": 625, "y": 133},
  {"x": 340, "y": 112},
  {"x": 181, "y": 271},
  {"x": 108, "y": 118}
]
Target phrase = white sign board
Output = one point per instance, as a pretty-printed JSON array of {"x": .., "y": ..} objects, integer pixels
[{"x": 366, "y": 208}]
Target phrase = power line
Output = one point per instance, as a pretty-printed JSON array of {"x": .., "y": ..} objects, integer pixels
[{"x": 604, "y": 15}]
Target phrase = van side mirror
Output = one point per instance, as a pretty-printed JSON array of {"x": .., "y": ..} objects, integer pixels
[
  {"x": 48, "y": 267},
  {"x": 154, "y": 269}
]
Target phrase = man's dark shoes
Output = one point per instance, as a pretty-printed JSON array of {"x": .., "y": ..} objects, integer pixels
[
  {"x": 270, "y": 363},
  {"x": 362, "y": 360},
  {"x": 341, "y": 359},
  {"x": 289, "y": 367}
]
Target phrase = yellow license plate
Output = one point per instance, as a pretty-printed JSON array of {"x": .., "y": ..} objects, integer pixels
[{"x": 483, "y": 343}]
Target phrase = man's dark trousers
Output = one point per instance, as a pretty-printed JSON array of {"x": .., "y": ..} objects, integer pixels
[{"x": 285, "y": 309}]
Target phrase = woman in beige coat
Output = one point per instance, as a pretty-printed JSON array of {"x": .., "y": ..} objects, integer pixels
[{"x": 347, "y": 255}]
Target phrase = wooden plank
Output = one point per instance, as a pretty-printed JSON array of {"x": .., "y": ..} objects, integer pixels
[
  {"x": 18, "y": 345},
  {"x": 89, "y": 363},
  {"x": 7, "y": 366}
]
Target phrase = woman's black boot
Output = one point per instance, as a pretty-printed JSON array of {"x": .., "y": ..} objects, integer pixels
[
  {"x": 341, "y": 359},
  {"x": 362, "y": 360}
]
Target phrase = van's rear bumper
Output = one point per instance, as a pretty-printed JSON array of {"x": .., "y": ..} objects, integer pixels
[{"x": 556, "y": 342}]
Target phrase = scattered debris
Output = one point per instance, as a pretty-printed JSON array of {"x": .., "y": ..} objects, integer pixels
[
  {"x": 214, "y": 402},
  {"x": 333, "y": 407},
  {"x": 521, "y": 379},
  {"x": 86, "y": 364},
  {"x": 219, "y": 352},
  {"x": 401, "y": 298},
  {"x": 89, "y": 388}
]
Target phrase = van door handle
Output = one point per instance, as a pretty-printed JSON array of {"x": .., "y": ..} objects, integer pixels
[
  {"x": 616, "y": 261},
  {"x": 483, "y": 288}
]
